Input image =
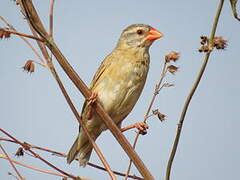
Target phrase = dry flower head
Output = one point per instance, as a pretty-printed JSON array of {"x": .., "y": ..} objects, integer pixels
[
  {"x": 4, "y": 34},
  {"x": 172, "y": 69},
  {"x": 29, "y": 66},
  {"x": 204, "y": 40},
  {"x": 17, "y": 2},
  {"x": 205, "y": 49},
  {"x": 160, "y": 116},
  {"x": 172, "y": 56},
  {"x": 219, "y": 42},
  {"x": 20, "y": 152}
]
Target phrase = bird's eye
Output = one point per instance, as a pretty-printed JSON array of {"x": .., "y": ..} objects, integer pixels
[{"x": 140, "y": 31}]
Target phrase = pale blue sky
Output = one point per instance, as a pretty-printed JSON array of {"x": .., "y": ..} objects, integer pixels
[{"x": 33, "y": 109}]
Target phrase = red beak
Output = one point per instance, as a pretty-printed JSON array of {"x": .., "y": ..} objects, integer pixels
[{"x": 153, "y": 34}]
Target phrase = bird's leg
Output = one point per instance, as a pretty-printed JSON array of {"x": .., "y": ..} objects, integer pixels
[
  {"x": 91, "y": 101},
  {"x": 141, "y": 126}
]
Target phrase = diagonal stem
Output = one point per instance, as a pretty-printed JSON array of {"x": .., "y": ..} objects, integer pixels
[
  {"x": 71, "y": 105},
  {"x": 51, "y": 18},
  {"x": 28, "y": 148},
  {"x": 21, "y": 34},
  {"x": 34, "y": 168},
  {"x": 75, "y": 112},
  {"x": 188, "y": 100},
  {"x": 155, "y": 93},
  {"x": 25, "y": 40},
  {"x": 11, "y": 162},
  {"x": 35, "y": 21},
  {"x": 53, "y": 152}
]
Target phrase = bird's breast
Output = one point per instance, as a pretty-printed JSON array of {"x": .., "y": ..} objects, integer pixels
[{"x": 120, "y": 89}]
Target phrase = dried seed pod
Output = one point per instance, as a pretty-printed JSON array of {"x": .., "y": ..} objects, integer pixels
[
  {"x": 4, "y": 34},
  {"x": 204, "y": 40},
  {"x": 172, "y": 56},
  {"x": 20, "y": 152},
  {"x": 29, "y": 66},
  {"x": 205, "y": 49},
  {"x": 172, "y": 69},
  {"x": 168, "y": 85},
  {"x": 160, "y": 116},
  {"x": 219, "y": 42}
]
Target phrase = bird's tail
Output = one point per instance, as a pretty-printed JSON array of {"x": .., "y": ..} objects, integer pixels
[{"x": 80, "y": 149}]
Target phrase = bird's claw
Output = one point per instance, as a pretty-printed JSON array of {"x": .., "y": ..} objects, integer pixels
[
  {"x": 91, "y": 101},
  {"x": 142, "y": 127}
]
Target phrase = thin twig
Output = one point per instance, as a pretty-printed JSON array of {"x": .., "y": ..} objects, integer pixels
[
  {"x": 21, "y": 34},
  {"x": 41, "y": 45},
  {"x": 83, "y": 125},
  {"x": 195, "y": 85},
  {"x": 12, "y": 164},
  {"x": 25, "y": 40},
  {"x": 234, "y": 9},
  {"x": 28, "y": 148},
  {"x": 76, "y": 113},
  {"x": 115, "y": 172},
  {"x": 33, "y": 168},
  {"x": 64, "y": 155},
  {"x": 11, "y": 174},
  {"x": 51, "y": 18},
  {"x": 35, "y": 21},
  {"x": 71, "y": 105},
  {"x": 146, "y": 116}
]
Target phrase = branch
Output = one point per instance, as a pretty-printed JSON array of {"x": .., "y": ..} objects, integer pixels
[
  {"x": 64, "y": 155},
  {"x": 195, "y": 85},
  {"x": 21, "y": 34},
  {"x": 234, "y": 9},
  {"x": 34, "y": 20},
  {"x": 155, "y": 93},
  {"x": 28, "y": 148},
  {"x": 25, "y": 40},
  {"x": 71, "y": 105},
  {"x": 116, "y": 172},
  {"x": 11, "y": 162},
  {"x": 51, "y": 18},
  {"x": 34, "y": 168}
]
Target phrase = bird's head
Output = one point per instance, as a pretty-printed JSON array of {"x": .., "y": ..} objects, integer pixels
[{"x": 138, "y": 36}]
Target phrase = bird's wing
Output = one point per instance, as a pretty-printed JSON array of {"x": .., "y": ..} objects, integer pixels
[{"x": 97, "y": 76}]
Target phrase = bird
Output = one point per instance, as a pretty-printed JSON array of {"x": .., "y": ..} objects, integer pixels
[{"x": 116, "y": 85}]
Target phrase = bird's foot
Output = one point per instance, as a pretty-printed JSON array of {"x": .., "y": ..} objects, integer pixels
[
  {"x": 91, "y": 101},
  {"x": 141, "y": 126}
]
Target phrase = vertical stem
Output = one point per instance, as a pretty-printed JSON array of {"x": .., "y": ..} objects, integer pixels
[
  {"x": 51, "y": 18},
  {"x": 155, "y": 93},
  {"x": 195, "y": 85}
]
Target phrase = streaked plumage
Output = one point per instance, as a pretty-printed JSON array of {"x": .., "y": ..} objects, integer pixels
[{"x": 118, "y": 83}]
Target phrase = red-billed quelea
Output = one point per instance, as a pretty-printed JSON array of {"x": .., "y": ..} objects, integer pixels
[{"x": 118, "y": 84}]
